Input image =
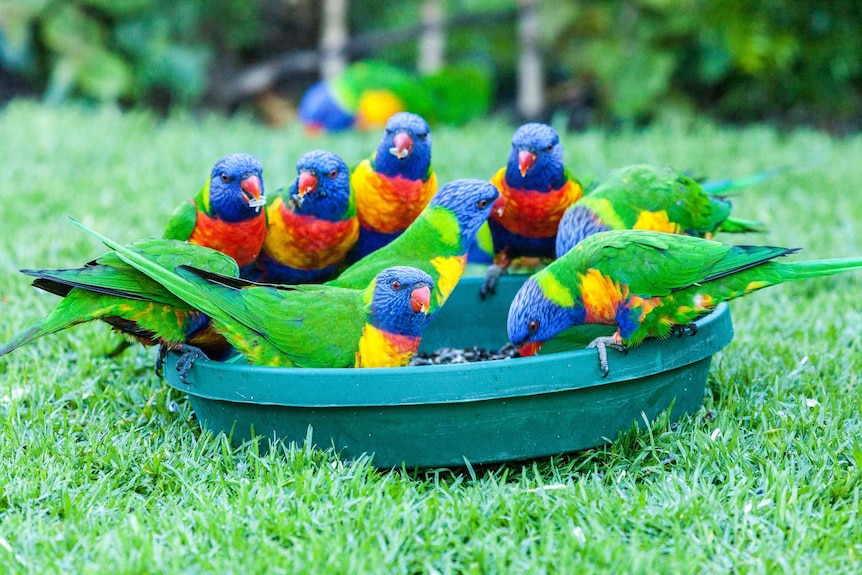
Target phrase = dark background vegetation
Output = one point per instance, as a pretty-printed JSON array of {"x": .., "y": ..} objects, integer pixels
[{"x": 606, "y": 62}]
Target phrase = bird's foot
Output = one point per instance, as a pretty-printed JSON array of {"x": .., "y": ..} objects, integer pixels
[
  {"x": 679, "y": 330},
  {"x": 185, "y": 362},
  {"x": 159, "y": 364},
  {"x": 602, "y": 344},
  {"x": 492, "y": 278}
]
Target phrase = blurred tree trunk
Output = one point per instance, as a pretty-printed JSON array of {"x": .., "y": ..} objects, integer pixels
[
  {"x": 432, "y": 42},
  {"x": 333, "y": 38},
  {"x": 531, "y": 89}
]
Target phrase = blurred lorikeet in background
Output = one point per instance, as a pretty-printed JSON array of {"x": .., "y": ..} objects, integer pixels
[
  {"x": 646, "y": 284},
  {"x": 657, "y": 198},
  {"x": 113, "y": 291},
  {"x": 394, "y": 185},
  {"x": 535, "y": 189},
  {"x": 311, "y": 227},
  {"x": 379, "y": 325},
  {"x": 436, "y": 242},
  {"x": 227, "y": 214},
  {"x": 368, "y": 92}
]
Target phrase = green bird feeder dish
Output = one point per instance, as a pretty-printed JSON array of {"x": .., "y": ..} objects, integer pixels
[{"x": 442, "y": 415}]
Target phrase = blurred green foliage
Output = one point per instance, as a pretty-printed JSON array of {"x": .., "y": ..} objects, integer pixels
[
  {"x": 111, "y": 50},
  {"x": 734, "y": 59}
]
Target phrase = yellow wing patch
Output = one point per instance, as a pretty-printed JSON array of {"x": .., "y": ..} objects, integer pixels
[
  {"x": 656, "y": 222},
  {"x": 450, "y": 268},
  {"x": 756, "y": 285}
]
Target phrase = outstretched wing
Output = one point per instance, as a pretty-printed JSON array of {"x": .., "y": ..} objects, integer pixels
[
  {"x": 315, "y": 326},
  {"x": 657, "y": 264}
]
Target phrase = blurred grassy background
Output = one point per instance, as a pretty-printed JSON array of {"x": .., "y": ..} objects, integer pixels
[{"x": 605, "y": 61}]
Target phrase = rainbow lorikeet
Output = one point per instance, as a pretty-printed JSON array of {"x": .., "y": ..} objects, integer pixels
[
  {"x": 394, "y": 185},
  {"x": 535, "y": 189},
  {"x": 309, "y": 229},
  {"x": 436, "y": 242},
  {"x": 365, "y": 93},
  {"x": 368, "y": 92},
  {"x": 647, "y": 284},
  {"x": 226, "y": 215},
  {"x": 645, "y": 197},
  {"x": 379, "y": 325},
  {"x": 111, "y": 290}
]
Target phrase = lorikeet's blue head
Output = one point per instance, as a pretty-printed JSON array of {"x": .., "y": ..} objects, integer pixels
[
  {"x": 405, "y": 149},
  {"x": 534, "y": 318},
  {"x": 471, "y": 202},
  {"x": 401, "y": 301},
  {"x": 577, "y": 223},
  {"x": 236, "y": 188},
  {"x": 536, "y": 160},
  {"x": 322, "y": 186}
]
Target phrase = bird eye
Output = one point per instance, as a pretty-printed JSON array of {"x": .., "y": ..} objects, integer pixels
[
  {"x": 396, "y": 285},
  {"x": 333, "y": 173},
  {"x": 225, "y": 178},
  {"x": 482, "y": 204},
  {"x": 549, "y": 148},
  {"x": 422, "y": 136},
  {"x": 533, "y": 326}
]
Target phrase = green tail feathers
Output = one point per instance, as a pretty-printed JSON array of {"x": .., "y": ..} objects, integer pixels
[
  {"x": 740, "y": 226},
  {"x": 172, "y": 281},
  {"x": 803, "y": 270},
  {"x": 45, "y": 327},
  {"x": 730, "y": 186},
  {"x": 70, "y": 312}
]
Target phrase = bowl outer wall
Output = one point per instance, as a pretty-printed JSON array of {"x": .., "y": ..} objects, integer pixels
[{"x": 441, "y": 415}]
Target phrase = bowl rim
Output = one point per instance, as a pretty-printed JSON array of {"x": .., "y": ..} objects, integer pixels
[{"x": 447, "y": 383}]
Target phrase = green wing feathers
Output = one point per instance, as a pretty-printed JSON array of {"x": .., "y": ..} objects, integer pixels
[
  {"x": 733, "y": 225},
  {"x": 271, "y": 326},
  {"x": 657, "y": 264},
  {"x": 182, "y": 222}
]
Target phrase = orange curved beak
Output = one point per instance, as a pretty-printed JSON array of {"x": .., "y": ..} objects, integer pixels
[
  {"x": 526, "y": 160},
  {"x": 307, "y": 183},
  {"x": 403, "y": 145},
  {"x": 529, "y": 349},
  {"x": 251, "y": 186},
  {"x": 420, "y": 299}
]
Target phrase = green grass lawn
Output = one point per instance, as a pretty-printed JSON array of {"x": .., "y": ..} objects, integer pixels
[{"x": 104, "y": 469}]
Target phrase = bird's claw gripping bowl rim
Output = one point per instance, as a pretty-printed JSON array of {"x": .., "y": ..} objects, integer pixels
[{"x": 483, "y": 412}]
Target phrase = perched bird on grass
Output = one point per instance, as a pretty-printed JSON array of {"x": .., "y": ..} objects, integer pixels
[
  {"x": 394, "y": 185},
  {"x": 535, "y": 189},
  {"x": 658, "y": 198},
  {"x": 111, "y": 290},
  {"x": 227, "y": 214},
  {"x": 436, "y": 242},
  {"x": 647, "y": 284},
  {"x": 379, "y": 325},
  {"x": 311, "y": 227}
]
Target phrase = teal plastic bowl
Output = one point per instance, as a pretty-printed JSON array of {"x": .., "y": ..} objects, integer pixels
[{"x": 442, "y": 415}]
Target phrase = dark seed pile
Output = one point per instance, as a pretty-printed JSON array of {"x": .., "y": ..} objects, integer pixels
[{"x": 447, "y": 355}]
